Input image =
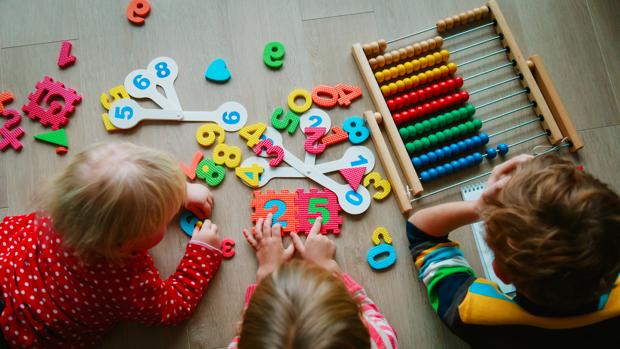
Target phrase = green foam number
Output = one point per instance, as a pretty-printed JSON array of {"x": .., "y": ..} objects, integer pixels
[
  {"x": 210, "y": 172},
  {"x": 273, "y": 54},
  {"x": 290, "y": 121},
  {"x": 313, "y": 208}
]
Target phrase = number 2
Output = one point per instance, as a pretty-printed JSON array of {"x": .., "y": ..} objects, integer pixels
[{"x": 281, "y": 208}]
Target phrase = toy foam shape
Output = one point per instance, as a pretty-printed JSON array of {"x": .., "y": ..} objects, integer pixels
[
  {"x": 218, "y": 71},
  {"x": 353, "y": 175},
  {"x": 281, "y": 204},
  {"x": 10, "y": 136},
  {"x": 315, "y": 203},
  {"x": 48, "y": 91},
  {"x": 58, "y": 137},
  {"x": 6, "y": 97},
  {"x": 65, "y": 58}
]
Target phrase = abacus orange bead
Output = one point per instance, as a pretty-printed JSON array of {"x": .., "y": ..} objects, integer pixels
[
  {"x": 416, "y": 64},
  {"x": 400, "y": 84},
  {"x": 382, "y": 45},
  {"x": 431, "y": 44},
  {"x": 477, "y": 13},
  {"x": 373, "y": 63},
  {"x": 463, "y": 18},
  {"x": 388, "y": 58},
  {"x": 415, "y": 81},
  {"x": 408, "y": 67},
  {"x": 485, "y": 11},
  {"x": 449, "y": 23},
  {"x": 417, "y": 49},
  {"x": 374, "y": 46},
  {"x": 424, "y": 45},
  {"x": 439, "y": 41},
  {"x": 401, "y": 70},
  {"x": 367, "y": 50},
  {"x": 410, "y": 51},
  {"x": 452, "y": 67},
  {"x": 441, "y": 25},
  {"x": 445, "y": 55},
  {"x": 385, "y": 89},
  {"x": 408, "y": 83},
  {"x": 402, "y": 52},
  {"x": 379, "y": 76},
  {"x": 380, "y": 61},
  {"x": 444, "y": 70},
  {"x": 457, "y": 20},
  {"x": 430, "y": 60},
  {"x": 471, "y": 16},
  {"x": 423, "y": 62}
]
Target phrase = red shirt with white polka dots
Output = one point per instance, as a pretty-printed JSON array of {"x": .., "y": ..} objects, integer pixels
[{"x": 52, "y": 299}]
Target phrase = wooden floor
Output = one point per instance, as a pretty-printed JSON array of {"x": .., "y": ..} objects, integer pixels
[{"x": 578, "y": 40}]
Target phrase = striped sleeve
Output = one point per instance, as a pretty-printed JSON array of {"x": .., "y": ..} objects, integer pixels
[
  {"x": 441, "y": 267},
  {"x": 382, "y": 334}
]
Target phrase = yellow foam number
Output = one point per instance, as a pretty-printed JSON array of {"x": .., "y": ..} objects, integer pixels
[
  {"x": 207, "y": 133},
  {"x": 379, "y": 234},
  {"x": 227, "y": 155},
  {"x": 378, "y": 183},
  {"x": 252, "y": 133},
  {"x": 117, "y": 92},
  {"x": 250, "y": 175},
  {"x": 299, "y": 93}
]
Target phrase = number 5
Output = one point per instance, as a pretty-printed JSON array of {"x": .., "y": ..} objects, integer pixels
[
  {"x": 313, "y": 208},
  {"x": 123, "y": 113}
]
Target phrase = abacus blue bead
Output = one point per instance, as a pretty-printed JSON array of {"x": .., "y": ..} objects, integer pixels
[
  {"x": 491, "y": 153},
  {"x": 455, "y": 165},
  {"x": 502, "y": 148},
  {"x": 433, "y": 173},
  {"x": 454, "y": 149},
  {"x": 432, "y": 157},
  {"x": 462, "y": 146},
  {"x": 424, "y": 176},
  {"x": 424, "y": 158},
  {"x": 477, "y": 141},
  {"x": 477, "y": 158},
  {"x": 440, "y": 170},
  {"x": 484, "y": 137},
  {"x": 447, "y": 152},
  {"x": 417, "y": 163},
  {"x": 440, "y": 154},
  {"x": 470, "y": 160},
  {"x": 462, "y": 163},
  {"x": 469, "y": 144},
  {"x": 448, "y": 168}
]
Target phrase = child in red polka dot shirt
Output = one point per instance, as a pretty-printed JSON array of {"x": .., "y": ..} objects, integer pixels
[{"x": 71, "y": 273}]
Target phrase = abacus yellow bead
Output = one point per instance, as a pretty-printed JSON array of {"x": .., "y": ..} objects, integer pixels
[
  {"x": 424, "y": 45},
  {"x": 441, "y": 25},
  {"x": 438, "y": 58},
  {"x": 408, "y": 83},
  {"x": 416, "y": 64},
  {"x": 452, "y": 67},
  {"x": 401, "y": 70},
  {"x": 374, "y": 46},
  {"x": 430, "y": 75},
  {"x": 423, "y": 62},
  {"x": 388, "y": 58},
  {"x": 437, "y": 72},
  {"x": 410, "y": 51},
  {"x": 367, "y": 50},
  {"x": 408, "y": 67},
  {"x": 417, "y": 49},
  {"x": 403, "y": 53},
  {"x": 373, "y": 63},
  {"x": 439, "y": 41},
  {"x": 422, "y": 78},
  {"x": 393, "y": 72},
  {"x": 393, "y": 88},
  {"x": 477, "y": 13},
  {"x": 415, "y": 81},
  {"x": 444, "y": 70},
  {"x": 385, "y": 90},
  {"x": 400, "y": 85},
  {"x": 449, "y": 23},
  {"x": 380, "y": 61},
  {"x": 445, "y": 55},
  {"x": 485, "y": 11},
  {"x": 382, "y": 45},
  {"x": 430, "y": 60},
  {"x": 379, "y": 76}
]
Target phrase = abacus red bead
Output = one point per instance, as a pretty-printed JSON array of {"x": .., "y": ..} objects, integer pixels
[
  {"x": 419, "y": 111},
  {"x": 428, "y": 92},
  {"x": 442, "y": 103},
  {"x": 391, "y": 105},
  {"x": 405, "y": 98},
  {"x": 396, "y": 118},
  {"x": 398, "y": 102},
  {"x": 443, "y": 87},
  {"x": 427, "y": 108},
  {"x": 449, "y": 100},
  {"x": 459, "y": 81},
  {"x": 414, "y": 97},
  {"x": 436, "y": 90},
  {"x": 464, "y": 96},
  {"x": 405, "y": 115},
  {"x": 436, "y": 104}
]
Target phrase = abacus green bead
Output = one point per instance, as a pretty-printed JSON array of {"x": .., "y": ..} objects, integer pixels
[
  {"x": 419, "y": 128},
  {"x": 477, "y": 124},
  {"x": 471, "y": 110},
  {"x": 470, "y": 127},
  {"x": 410, "y": 147},
  {"x": 452, "y": 116},
  {"x": 404, "y": 133},
  {"x": 447, "y": 134},
  {"x": 427, "y": 125},
  {"x": 433, "y": 139},
  {"x": 464, "y": 113},
  {"x": 441, "y": 137},
  {"x": 458, "y": 115},
  {"x": 434, "y": 123},
  {"x": 462, "y": 128},
  {"x": 417, "y": 145},
  {"x": 441, "y": 120},
  {"x": 411, "y": 130},
  {"x": 455, "y": 131},
  {"x": 425, "y": 142}
]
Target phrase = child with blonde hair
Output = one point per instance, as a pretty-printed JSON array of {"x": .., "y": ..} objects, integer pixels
[
  {"x": 70, "y": 274},
  {"x": 555, "y": 234},
  {"x": 307, "y": 304}
]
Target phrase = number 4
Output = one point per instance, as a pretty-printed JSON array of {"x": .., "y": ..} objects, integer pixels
[{"x": 347, "y": 94}]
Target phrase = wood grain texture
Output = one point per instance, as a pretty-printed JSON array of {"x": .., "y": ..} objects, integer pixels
[{"x": 318, "y": 38}]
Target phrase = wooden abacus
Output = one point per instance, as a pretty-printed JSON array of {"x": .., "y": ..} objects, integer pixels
[{"x": 429, "y": 86}]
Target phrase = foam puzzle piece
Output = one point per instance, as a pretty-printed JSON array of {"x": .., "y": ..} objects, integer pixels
[
  {"x": 299, "y": 93},
  {"x": 61, "y": 150},
  {"x": 281, "y": 204},
  {"x": 380, "y": 233},
  {"x": 48, "y": 91},
  {"x": 58, "y": 137},
  {"x": 9, "y": 133},
  {"x": 210, "y": 172},
  {"x": 374, "y": 253},
  {"x": 312, "y": 144},
  {"x": 267, "y": 145},
  {"x": 6, "y": 97},
  {"x": 190, "y": 172},
  {"x": 378, "y": 183},
  {"x": 137, "y": 11},
  {"x": 187, "y": 222},
  {"x": 347, "y": 94},
  {"x": 228, "y": 248},
  {"x": 353, "y": 175},
  {"x": 337, "y": 135},
  {"x": 273, "y": 54},
  {"x": 65, "y": 58},
  {"x": 217, "y": 71},
  {"x": 324, "y": 90},
  {"x": 315, "y": 203}
]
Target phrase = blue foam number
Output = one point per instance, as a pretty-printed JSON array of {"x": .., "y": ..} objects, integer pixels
[
  {"x": 123, "y": 113},
  {"x": 141, "y": 83},
  {"x": 381, "y": 263},
  {"x": 162, "y": 70},
  {"x": 358, "y": 133},
  {"x": 279, "y": 212},
  {"x": 188, "y": 221},
  {"x": 354, "y": 197},
  {"x": 231, "y": 118},
  {"x": 362, "y": 160},
  {"x": 316, "y": 119}
]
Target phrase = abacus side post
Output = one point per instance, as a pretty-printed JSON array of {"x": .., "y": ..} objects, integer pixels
[
  {"x": 388, "y": 164},
  {"x": 555, "y": 103}
]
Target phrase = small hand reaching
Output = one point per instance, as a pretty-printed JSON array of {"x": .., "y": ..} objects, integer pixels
[
  {"x": 207, "y": 234},
  {"x": 199, "y": 200},
  {"x": 318, "y": 248}
]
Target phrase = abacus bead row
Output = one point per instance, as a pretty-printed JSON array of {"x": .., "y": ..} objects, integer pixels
[
  {"x": 414, "y": 65},
  {"x": 502, "y": 149},
  {"x": 423, "y": 94},
  {"x": 430, "y": 108},
  {"x": 419, "y": 79},
  {"x": 403, "y": 53},
  {"x": 452, "y": 166},
  {"x": 374, "y": 48},
  {"x": 448, "y": 151},
  {"x": 443, "y": 136},
  {"x": 436, "y": 122},
  {"x": 462, "y": 18}
]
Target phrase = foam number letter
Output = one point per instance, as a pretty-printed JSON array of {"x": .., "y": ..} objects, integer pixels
[
  {"x": 375, "y": 253},
  {"x": 379, "y": 234},
  {"x": 337, "y": 135},
  {"x": 313, "y": 208},
  {"x": 190, "y": 172},
  {"x": 273, "y": 54},
  {"x": 252, "y": 133},
  {"x": 290, "y": 122},
  {"x": 378, "y": 183},
  {"x": 10, "y": 136},
  {"x": 188, "y": 221},
  {"x": 117, "y": 92},
  {"x": 228, "y": 248},
  {"x": 312, "y": 144},
  {"x": 227, "y": 155},
  {"x": 324, "y": 90},
  {"x": 207, "y": 133},
  {"x": 267, "y": 145},
  {"x": 358, "y": 133},
  {"x": 211, "y": 173},
  {"x": 299, "y": 93},
  {"x": 137, "y": 10},
  {"x": 250, "y": 175},
  {"x": 347, "y": 94}
]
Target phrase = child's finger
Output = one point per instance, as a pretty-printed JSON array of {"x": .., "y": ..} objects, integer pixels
[
  {"x": 267, "y": 225},
  {"x": 509, "y": 166},
  {"x": 214, "y": 229},
  {"x": 276, "y": 232},
  {"x": 289, "y": 252},
  {"x": 258, "y": 229},
  {"x": 316, "y": 227},
  {"x": 299, "y": 245},
  {"x": 250, "y": 239}
]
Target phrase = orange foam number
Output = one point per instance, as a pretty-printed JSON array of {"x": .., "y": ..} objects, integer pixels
[{"x": 137, "y": 10}]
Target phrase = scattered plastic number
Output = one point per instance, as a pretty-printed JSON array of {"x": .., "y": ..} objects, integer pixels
[
  {"x": 290, "y": 121},
  {"x": 347, "y": 94},
  {"x": 252, "y": 133},
  {"x": 208, "y": 133},
  {"x": 379, "y": 234},
  {"x": 337, "y": 135},
  {"x": 378, "y": 183},
  {"x": 117, "y": 92},
  {"x": 6, "y": 97},
  {"x": 9, "y": 134},
  {"x": 374, "y": 256},
  {"x": 267, "y": 145},
  {"x": 228, "y": 248},
  {"x": 210, "y": 172},
  {"x": 187, "y": 222},
  {"x": 137, "y": 10},
  {"x": 354, "y": 125},
  {"x": 190, "y": 172},
  {"x": 299, "y": 93},
  {"x": 327, "y": 91},
  {"x": 65, "y": 58},
  {"x": 228, "y": 155},
  {"x": 273, "y": 54},
  {"x": 312, "y": 144},
  {"x": 250, "y": 175}
]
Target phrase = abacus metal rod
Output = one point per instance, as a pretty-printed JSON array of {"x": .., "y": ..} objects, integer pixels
[
  {"x": 412, "y": 34},
  {"x": 514, "y": 127},
  {"x": 482, "y": 57},
  {"x": 469, "y": 31},
  {"x": 508, "y": 112},
  {"x": 525, "y": 90},
  {"x": 490, "y": 70},
  {"x": 476, "y": 44},
  {"x": 527, "y": 139},
  {"x": 518, "y": 77}
]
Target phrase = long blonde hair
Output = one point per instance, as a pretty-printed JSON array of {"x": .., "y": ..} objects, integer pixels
[
  {"x": 111, "y": 194},
  {"x": 302, "y": 306}
]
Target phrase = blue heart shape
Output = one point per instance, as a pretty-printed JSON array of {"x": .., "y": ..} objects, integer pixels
[{"x": 217, "y": 71}]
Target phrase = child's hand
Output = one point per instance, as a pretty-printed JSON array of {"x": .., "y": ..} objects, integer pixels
[
  {"x": 199, "y": 200},
  {"x": 318, "y": 248},
  {"x": 267, "y": 243},
  {"x": 207, "y": 233},
  {"x": 499, "y": 177}
]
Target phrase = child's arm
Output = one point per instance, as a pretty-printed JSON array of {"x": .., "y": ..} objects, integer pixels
[{"x": 440, "y": 220}]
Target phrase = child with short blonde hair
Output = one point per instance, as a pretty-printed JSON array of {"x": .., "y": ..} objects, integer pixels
[
  {"x": 555, "y": 233},
  {"x": 71, "y": 272},
  {"x": 307, "y": 304}
]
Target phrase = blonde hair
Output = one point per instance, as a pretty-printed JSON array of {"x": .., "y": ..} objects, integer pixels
[
  {"x": 111, "y": 194},
  {"x": 555, "y": 232},
  {"x": 302, "y": 306}
]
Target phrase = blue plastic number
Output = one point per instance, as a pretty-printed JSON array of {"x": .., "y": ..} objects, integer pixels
[
  {"x": 354, "y": 197},
  {"x": 162, "y": 69},
  {"x": 358, "y": 133},
  {"x": 362, "y": 161},
  {"x": 382, "y": 263},
  {"x": 123, "y": 113},
  {"x": 188, "y": 221},
  {"x": 141, "y": 83},
  {"x": 317, "y": 120},
  {"x": 231, "y": 118},
  {"x": 279, "y": 212}
]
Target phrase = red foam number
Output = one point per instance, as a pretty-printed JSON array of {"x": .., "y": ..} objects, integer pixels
[
  {"x": 65, "y": 58},
  {"x": 267, "y": 145},
  {"x": 338, "y": 135},
  {"x": 6, "y": 97},
  {"x": 10, "y": 136},
  {"x": 324, "y": 90},
  {"x": 49, "y": 92},
  {"x": 312, "y": 144},
  {"x": 228, "y": 248},
  {"x": 347, "y": 94},
  {"x": 137, "y": 10},
  {"x": 190, "y": 172}
]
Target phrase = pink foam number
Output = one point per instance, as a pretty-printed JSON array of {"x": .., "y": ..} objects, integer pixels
[
  {"x": 8, "y": 136},
  {"x": 228, "y": 248},
  {"x": 65, "y": 58},
  {"x": 267, "y": 146},
  {"x": 312, "y": 143},
  {"x": 353, "y": 176},
  {"x": 49, "y": 92}
]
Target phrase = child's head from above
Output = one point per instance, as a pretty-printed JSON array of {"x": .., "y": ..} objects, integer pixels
[
  {"x": 302, "y": 306},
  {"x": 114, "y": 199},
  {"x": 555, "y": 232}
]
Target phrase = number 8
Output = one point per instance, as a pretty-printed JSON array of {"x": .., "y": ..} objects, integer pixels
[
  {"x": 228, "y": 155},
  {"x": 162, "y": 69}
]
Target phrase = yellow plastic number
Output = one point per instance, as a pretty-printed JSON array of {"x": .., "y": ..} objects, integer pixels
[
  {"x": 117, "y": 92},
  {"x": 379, "y": 234},
  {"x": 299, "y": 93},
  {"x": 206, "y": 134},
  {"x": 378, "y": 183},
  {"x": 227, "y": 155},
  {"x": 252, "y": 133},
  {"x": 250, "y": 175}
]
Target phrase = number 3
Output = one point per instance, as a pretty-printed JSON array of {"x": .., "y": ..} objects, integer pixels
[{"x": 378, "y": 183}]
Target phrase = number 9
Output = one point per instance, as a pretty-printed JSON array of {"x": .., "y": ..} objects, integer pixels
[
  {"x": 141, "y": 83},
  {"x": 231, "y": 118},
  {"x": 273, "y": 55}
]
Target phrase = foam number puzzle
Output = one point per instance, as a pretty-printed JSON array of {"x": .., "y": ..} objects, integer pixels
[
  {"x": 281, "y": 204},
  {"x": 383, "y": 255},
  {"x": 9, "y": 133},
  {"x": 48, "y": 92},
  {"x": 161, "y": 74}
]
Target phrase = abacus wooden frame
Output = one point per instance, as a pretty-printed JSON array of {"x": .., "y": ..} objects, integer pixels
[{"x": 541, "y": 91}]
